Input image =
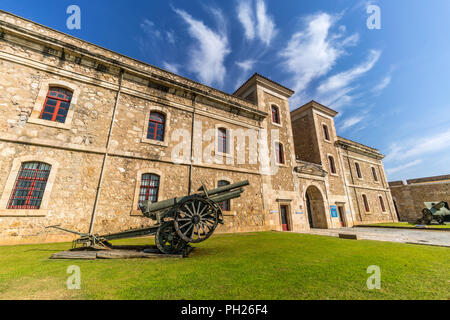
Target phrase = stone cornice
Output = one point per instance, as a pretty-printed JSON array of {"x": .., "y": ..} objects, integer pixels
[
  {"x": 358, "y": 148},
  {"x": 62, "y": 44},
  {"x": 316, "y": 106},
  {"x": 258, "y": 79}
]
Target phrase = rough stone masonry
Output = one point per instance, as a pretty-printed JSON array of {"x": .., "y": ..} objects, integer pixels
[{"x": 87, "y": 133}]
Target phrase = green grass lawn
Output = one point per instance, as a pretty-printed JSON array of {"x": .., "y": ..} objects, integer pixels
[
  {"x": 269, "y": 265},
  {"x": 409, "y": 225}
]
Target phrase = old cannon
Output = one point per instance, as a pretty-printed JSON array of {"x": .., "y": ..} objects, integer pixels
[
  {"x": 434, "y": 211},
  {"x": 179, "y": 221}
]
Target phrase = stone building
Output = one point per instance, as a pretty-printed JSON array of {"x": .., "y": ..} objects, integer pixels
[
  {"x": 409, "y": 197},
  {"x": 87, "y": 133}
]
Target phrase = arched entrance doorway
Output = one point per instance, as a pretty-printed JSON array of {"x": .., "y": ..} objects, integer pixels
[{"x": 317, "y": 217}]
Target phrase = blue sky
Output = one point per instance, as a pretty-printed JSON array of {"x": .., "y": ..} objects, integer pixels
[{"x": 391, "y": 86}]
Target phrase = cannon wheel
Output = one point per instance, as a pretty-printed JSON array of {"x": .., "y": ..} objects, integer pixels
[
  {"x": 196, "y": 219},
  {"x": 167, "y": 239},
  {"x": 427, "y": 216},
  {"x": 440, "y": 220}
]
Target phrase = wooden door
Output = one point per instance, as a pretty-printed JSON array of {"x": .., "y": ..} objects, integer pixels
[
  {"x": 284, "y": 218},
  {"x": 341, "y": 216}
]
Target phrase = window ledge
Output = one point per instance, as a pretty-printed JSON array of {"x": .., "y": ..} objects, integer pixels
[
  {"x": 222, "y": 154},
  {"x": 155, "y": 142},
  {"x": 23, "y": 213},
  {"x": 284, "y": 165},
  {"x": 49, "y": 123},
  {"x": 136, "y": 213},
  {"x": 277, "y": 124},
  {"x": 334, "y": 174}
]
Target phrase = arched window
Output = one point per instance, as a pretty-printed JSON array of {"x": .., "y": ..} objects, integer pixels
[
  {"x": 275, "y": 114},
  {"x": 358, "y": 170},
  {"x": 383, "y": 208},
  {"x": 374, "y": 173},
  {"x": 222, "y": 141},
  {"x": 332, "y": 164},
  {"x": 156, "y": 126},
  {"x": 326, "y": 133},
  {"x": 225, "y": 205},
  {"x": 30, "y": 186},
  {"x": 279, "y": 152},
  {"x": 56, "y": 105},
  {"x": 366, "y": 203},
  {"x": 149, "y": 188}
]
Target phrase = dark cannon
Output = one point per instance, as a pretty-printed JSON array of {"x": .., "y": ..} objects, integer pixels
[
  {"x": 179, "y": 221},
  {"x": 434, "y": 211}
]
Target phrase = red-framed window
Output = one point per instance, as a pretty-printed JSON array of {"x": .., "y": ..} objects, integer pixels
[
  {"x": 275, "y": 114},
  {"x": 222, "y": 140},
  {"x": 326, "y": 133},
  {"x": 358, "y": 170},
  {"x": 149, "y": 188},
  {"x": 332, "y": 164},
  {"x": 374, "y": 173},
  {"x": 383, "y": 208},
  {"x": 366, "y": 203},
  {"x": 156, "y": 126},
  {"x": 279, "y": 152},
  {"x": 225, "y": 205},
  {"x": 56, "y": 105},
  {"x": 30, "y": 186}
]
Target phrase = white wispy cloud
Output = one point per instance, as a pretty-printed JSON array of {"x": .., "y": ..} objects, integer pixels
[
  {"x": 266, "y": 25},
  {"x": 392, "y": 170},
  {"x": 170, "y": 36},
  {"x": 352, "y": 121},
  {"x": 312, "y": 52},
  {"x": 335, "y": 90},
  {"x": 149, "y": 28},
  {"x": 207, "y": 57},
  {"x": 261, "y": 25},
  {"x": 382, "y": 85},
  {"x": 245, "y": 16},
  {"x": 246, "y": 65},
  {"x": 419, "y": 146},
  {"x": 172, "y": 67}
]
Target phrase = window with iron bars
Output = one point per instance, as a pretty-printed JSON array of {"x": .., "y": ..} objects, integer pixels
[
  {"x": 149, "y": 188},
  {"x": 30, "y": 186}
]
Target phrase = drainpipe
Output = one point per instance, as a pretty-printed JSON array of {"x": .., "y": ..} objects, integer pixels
[
  {"x": 105, "y": 157},
  {"x": 194, "y": 105}
]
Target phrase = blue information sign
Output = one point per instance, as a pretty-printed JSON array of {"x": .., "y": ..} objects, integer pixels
[{"x": 333, "y": 210}]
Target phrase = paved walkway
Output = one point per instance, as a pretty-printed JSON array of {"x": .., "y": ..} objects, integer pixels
[{"x": 436, "y": 238}]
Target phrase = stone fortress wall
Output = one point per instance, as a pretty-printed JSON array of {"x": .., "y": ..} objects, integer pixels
[{"x": 409, "y": 197}]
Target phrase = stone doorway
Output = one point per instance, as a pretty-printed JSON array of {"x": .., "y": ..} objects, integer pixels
[{"x": 315, "y": 206}]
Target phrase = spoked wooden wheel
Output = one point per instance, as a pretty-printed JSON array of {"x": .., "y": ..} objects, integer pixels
[
  {"x": 167, "y": 240},
  {"x": 427, "y": 216},
  {"x": 196, "y": 219}
]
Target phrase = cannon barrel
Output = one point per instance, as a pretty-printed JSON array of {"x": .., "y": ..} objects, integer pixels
[
  {"x": 149, "y": 207},
  {"x": 227, "y": 196}
]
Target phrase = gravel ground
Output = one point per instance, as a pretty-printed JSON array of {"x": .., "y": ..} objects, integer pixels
[{"x": 437, "y": 238}]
